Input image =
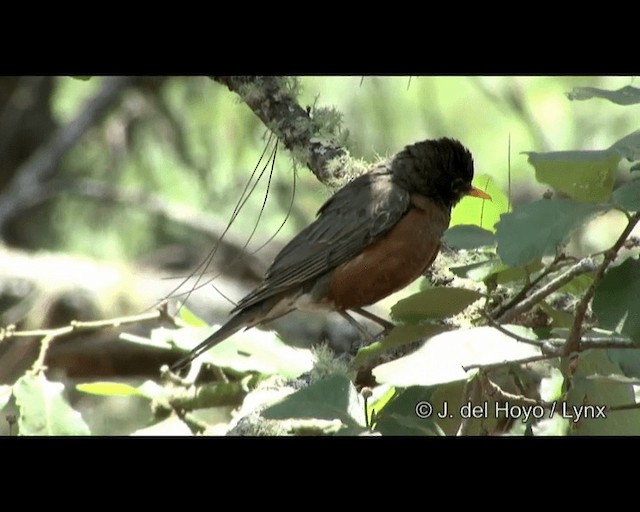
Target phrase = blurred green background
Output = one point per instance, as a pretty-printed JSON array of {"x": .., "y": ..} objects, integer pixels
[
  {"x": 190, "y": 145},
  {"x": 194, "y": 143}
]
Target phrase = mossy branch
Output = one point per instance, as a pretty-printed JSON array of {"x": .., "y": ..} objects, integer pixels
[{"x": 310, "y": 139}]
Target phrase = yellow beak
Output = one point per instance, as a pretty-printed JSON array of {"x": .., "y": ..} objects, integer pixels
[{"x": 476, "y": 192}]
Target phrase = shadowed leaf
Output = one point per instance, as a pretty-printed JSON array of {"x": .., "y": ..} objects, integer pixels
[
  {"x": 626, "y": 95},
  {"x": 433, "y": 303},
  {"x": 628, "y": 196},
  {"x": 466, "y": 236},
  {"x": 616, "y": 303},
  {"x": 332, "y": 398},
  {"x": 519, "y": 244}
]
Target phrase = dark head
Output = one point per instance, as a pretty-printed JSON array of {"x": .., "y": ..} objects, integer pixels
[{"x": 440, "y": 169}]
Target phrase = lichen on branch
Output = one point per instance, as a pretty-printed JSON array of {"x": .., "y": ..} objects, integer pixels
[{"x": 311, "y": 135}]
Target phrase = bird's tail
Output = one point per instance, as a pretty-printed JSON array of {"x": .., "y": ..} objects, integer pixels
[
  {"x": 243, "y": 318},
  {"x": 268, "y": 309}
]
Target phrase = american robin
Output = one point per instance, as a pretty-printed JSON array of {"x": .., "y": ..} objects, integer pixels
[{"x": 373, "y": 237}]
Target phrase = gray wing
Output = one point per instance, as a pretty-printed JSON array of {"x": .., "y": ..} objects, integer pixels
[{"x": 346, "y": 224}]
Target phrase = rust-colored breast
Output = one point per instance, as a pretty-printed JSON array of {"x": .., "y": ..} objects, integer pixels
[{"x": 394, "y": 260}]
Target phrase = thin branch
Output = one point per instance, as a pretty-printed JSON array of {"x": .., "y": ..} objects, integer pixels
[
  {"x": 496, "y": 325},
  {"x": 29, "y": 180},
  {"x": 582, "y": 267},
  {"x": 524, "y": 360},
  {"x": 553, "y": 266},
  {"x": 573, "y": 340},
  {"x": 161, "y": 313},
  {"x": 497, "y": 393}
]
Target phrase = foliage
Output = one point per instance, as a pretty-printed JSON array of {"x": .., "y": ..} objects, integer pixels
[{"x": 489, "y": 361}]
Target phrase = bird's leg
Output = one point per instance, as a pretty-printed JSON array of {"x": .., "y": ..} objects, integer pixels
[
  {"x": 366, "y": 335},
  {"x": 387, "y": 326}
]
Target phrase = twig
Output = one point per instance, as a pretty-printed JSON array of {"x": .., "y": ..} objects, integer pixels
[
  {"x": 573, "y": 340},
  {"x": 161, "y": 313},
  {"x": 38, "y": 365},
  {"x": 496, "y": 325},
  {"x": 582, "y": 267},
  {"x": 524, "y": 360},
  {"x": 497, "y": 393},
  {"x": 529, "y": 286},
  {"x": 473, "y": 394},
  {"x": 28, "y": 183}
]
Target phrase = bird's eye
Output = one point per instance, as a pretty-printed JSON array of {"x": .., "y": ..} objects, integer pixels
[{"x": 458, "y": 186}]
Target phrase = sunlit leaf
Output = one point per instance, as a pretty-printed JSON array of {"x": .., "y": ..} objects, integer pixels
[
  {"x": 171, "y": 426},
  {"x": 400, "y": 335},
  {"x": 43, "y": 409},
  {"x": 5, "y": 395},
  {"x": 583, "y": 175},
  {"x": 520, "y": 234},
  {"x": 190, "y": 318},
  {"x": 108, "y": 389},
  {"x": 481, "y": 212},
  {"x": 442, "y": 358},
  {"x": 433, "y": 303},
  {"x": 252, "y": 350}
]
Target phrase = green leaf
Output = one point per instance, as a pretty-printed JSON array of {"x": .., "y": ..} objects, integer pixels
[
  {"x": 332, "y": 398},
  {"x": 559, "y": 318},
  {"x": 583, "y": 175},
  {"x": 44, "y": 410},
  {"x": 5, "y": 395},
  {"x": 467, "y": 236},
  {"x": 171, "y": 426},
  {"x": 190, "y": 318},
  {"x": 442, "y": 358},
  {"x": 484, "y": 213},
  {"x": 596, "y": 392},
  {"x": 628, "y": 196},
  {"x": 629, "y": 146},
  {"x": 626, "y": 95},
  {"x": 494, "y": 268},
  {"x": 400, "y": 335},
  {"x": 616, "y": 303},
  {"x": 521, "y": 238},
  {"x": 433, "y": 303},
  {"x": 247, "y": 351},
  {"x": 380, "y": 397},
  {"x": 399, "y": 417},
  {"x": 108, "y": 389},
  {"x": 578, "y": 284}
]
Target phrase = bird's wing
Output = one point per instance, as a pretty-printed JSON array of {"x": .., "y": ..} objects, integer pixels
[{"x": 346, "y": 224}]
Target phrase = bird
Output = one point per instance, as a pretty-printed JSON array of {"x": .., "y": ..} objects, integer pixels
[{"x": 373, "y": 237}]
